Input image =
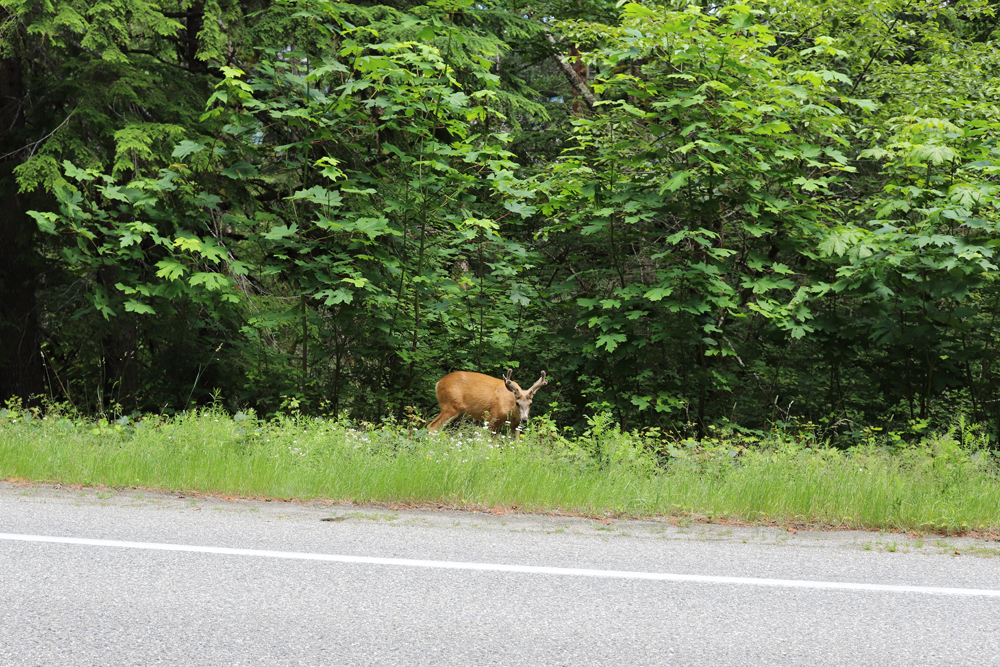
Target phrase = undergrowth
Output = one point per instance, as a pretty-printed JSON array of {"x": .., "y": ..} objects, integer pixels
[{"x": 945, "y": 482}]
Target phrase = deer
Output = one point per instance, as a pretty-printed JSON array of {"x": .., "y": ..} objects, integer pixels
[{"x": 477, "y": 395}]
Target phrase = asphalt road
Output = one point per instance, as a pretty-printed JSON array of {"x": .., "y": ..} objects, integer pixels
[{"x": 137, "y": 578}]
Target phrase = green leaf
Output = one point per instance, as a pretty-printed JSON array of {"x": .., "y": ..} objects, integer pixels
[
  {"x": 318, "y": 195},
  {"x": 832, "y": 245},
  {"x": 45, "y": 220},
  {"x": 517, "y": 296},
  {"x": 212, "y": 281},
  {"x": 637, "y": 10},
  {"x": 208, "y": 201},
  {"x": 281, "y": 231},
  {"x": 240, "y": 170},
  {"x": 836, "y": 155},
  {"x": 520, "y": 208},
  {"x": 773, "y": 127},
  {"x": 874, "y": 153},
  {"x": 133, "y": 306},
  {"x": 867, "y": 105},
  {"x": 333, "y": 297},
  {"x": 371, "y": 227},
  {"x": 328, "y": 167},
  {"x": 830, "y": 75},
  {"x": 934, "y": 153},
  {"x": 811, "y": 184},
  {"x": 676, "y": 182},
  {"x": 610, "y": 341},
  {"x": 186, "y": 148},
  {"x": 170, "y": 269},
  {"x": 658, "y": 293},
  {"x": 890, "y": 206},
  {"x": 641, "y": 402},
  {"x": 810, "y": 151},
  {"x": 77, "y": 174}
]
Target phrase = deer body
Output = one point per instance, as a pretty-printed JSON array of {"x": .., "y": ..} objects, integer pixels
[{"x": 475, "y": 395}]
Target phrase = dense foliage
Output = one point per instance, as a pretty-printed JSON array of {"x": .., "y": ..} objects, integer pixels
[{"x": 687, "y": 215}]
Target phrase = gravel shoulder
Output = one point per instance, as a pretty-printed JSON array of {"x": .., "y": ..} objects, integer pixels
[{"x": 186, "y": 504}]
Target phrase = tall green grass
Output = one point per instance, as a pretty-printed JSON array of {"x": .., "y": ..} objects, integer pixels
[{"x": 947, "y": 483}]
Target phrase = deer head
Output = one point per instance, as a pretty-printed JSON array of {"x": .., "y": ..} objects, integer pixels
[{"x": 522, "y": 398}]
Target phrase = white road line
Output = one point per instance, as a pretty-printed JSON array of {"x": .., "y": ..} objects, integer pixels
[{"x": 518, "y": 569}]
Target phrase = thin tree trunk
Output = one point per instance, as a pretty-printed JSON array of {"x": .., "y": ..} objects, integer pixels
[
  {"x": 121, "y": 359},
  {"x": 575, "y": 80},
  {"x": 120, "y": 345}
]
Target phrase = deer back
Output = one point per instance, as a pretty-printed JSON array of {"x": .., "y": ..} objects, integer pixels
[{"x": 475, "y": 394}]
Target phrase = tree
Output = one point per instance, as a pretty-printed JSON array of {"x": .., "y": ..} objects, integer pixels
[
  {"x": 108, "y": 85},
  {"x": 20, "y": 341},
  {"x": 350, "y": 196},
  {"x": 719, "y": 224}
]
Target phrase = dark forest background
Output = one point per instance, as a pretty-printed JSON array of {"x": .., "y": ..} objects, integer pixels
[{"x": 729, "y": 215}]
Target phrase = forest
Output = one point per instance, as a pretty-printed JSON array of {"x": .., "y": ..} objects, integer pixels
[{"x": 689, "y": 216}]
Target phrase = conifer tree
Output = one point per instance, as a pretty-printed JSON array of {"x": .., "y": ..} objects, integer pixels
[{"x": 107, "y": 84}]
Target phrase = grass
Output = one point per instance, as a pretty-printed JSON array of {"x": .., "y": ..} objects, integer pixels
[{"x": 937, "y": 485}]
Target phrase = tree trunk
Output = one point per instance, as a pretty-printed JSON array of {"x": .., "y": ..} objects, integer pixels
[
  {"x": 20, "y": 345},
  {"x": 120, "y": 348},
  {"x": 572, "y": 73},
  {"x": 194, "y": 24},
  {"x": 121, "y": 365}
]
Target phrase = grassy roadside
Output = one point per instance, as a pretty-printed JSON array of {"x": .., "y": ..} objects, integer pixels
[{"x": 938, "y": 485}]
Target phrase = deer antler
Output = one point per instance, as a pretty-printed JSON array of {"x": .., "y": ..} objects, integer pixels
[
  {"x": 506, "y": 379},
  {"x": 538, "y": 385}
]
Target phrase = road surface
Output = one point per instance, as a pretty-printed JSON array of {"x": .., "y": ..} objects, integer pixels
[{"x": 92, "y": 577}]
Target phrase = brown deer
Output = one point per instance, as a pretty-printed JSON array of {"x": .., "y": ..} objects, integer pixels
[{"x": 475, "y": 395}]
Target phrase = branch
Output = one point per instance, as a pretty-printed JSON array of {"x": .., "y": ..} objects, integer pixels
[
  {"x": 184, "y": 15},
  {"x": 35, "y": 144},
  {"x": 574, "y": 79},
  {"x": 888, "y": 34}
]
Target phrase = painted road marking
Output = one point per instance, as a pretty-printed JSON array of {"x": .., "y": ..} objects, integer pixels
[{"x": 516, "y": 569}]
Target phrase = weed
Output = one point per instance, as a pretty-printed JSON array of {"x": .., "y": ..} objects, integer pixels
[
  {"x": 374, "y": 516},
  {"x": 944, "y": 483},
  {"x": 986, "y": 552}
]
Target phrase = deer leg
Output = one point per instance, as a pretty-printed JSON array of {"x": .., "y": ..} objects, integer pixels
[{"x": 442, "y": 419}]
